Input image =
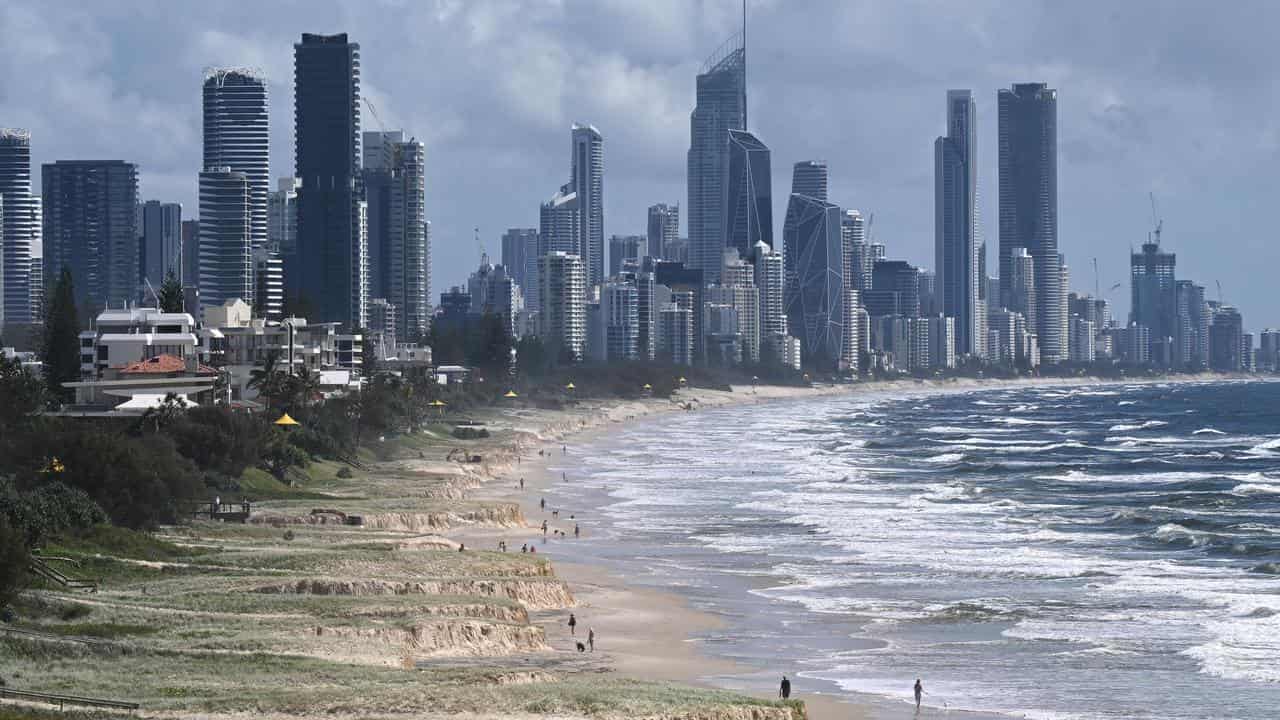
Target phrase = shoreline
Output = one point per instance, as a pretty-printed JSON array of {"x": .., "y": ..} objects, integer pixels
[{"x": 652, "y": 633}]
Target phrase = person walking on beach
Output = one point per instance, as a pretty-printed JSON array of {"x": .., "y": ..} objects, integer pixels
[
  {"x": 591, "y": 639},
  {"x": 573, "y": 623},
  {"x": 784, "y": 691},
  {"x": 522, "y": 483},
  {"x": 544, "y": 528},
  {"x": 919, "y": 691},
  {"x": 542, "y": 504},
  {"x": 575, "y": 530}
]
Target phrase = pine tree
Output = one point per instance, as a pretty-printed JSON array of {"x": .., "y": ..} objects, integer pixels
[
  {"x": 61, "y": 346},
  {"x": 170, "y": 294}
]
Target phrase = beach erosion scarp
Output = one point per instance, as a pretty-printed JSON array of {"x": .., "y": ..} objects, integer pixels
[{"x": 385, "y": 594}]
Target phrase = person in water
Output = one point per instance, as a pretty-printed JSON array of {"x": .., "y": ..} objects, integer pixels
[
  {"x": 919, "y": 691},
  {"x": 784, "y": 690}
]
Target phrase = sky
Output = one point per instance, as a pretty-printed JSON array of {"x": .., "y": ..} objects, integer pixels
[{"x": 1172, "y": 98}]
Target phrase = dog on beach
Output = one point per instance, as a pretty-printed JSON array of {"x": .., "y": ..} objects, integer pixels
[{"x": 582, "y": 648}]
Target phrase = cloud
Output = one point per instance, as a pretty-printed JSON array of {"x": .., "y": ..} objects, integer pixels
[{"x": 1152, "y": 96}]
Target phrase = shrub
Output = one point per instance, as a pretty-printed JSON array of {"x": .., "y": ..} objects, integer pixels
[
  {"x": 345, "y": 473},
  {"x": 14, "y": 559},
  {"x": 47, "y": 510}
]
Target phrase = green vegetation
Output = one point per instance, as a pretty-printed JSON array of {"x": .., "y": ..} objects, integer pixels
[{"x": 60, "y": 351}]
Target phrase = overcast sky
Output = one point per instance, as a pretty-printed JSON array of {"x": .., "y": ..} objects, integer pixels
[{"x": 1175, "y": 98}]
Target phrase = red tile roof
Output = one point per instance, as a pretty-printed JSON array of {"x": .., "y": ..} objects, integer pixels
[{"x": 163, "y": 365}]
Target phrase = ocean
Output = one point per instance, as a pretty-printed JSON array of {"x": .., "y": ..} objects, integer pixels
[{"x": 1102, "y": 551}]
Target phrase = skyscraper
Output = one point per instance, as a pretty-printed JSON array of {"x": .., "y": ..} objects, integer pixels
[
  {"x": 1152, "y": 291},
  {"x": 721, "y": 107},
  {"x": 956, "y": 244},
  {"x": 235, "y": 136},
  {"x": 395, "y": 188},
  {"x": 1028, "y": 165},
  {"x": 560, "y": 221},
  {"x": 226, "y": 238},
  {"x": 853, "y": 241},
  {"x": 623, "y": 248},
  {"x": 325, "y": 274},
  {"x": 282, "y": 216},
  {"x": 1193, "y": 319},
  {"x": 562, "y": 321},
  {"x": 160, "y": 248},
  {"x": 809, "y": 177},
  {"x": 20, "y": 230},
  {"x": 520, "y": 257},
  {"x": 91, "y": 228},
  {"x": 1020, "y": 293},
  {"x": 664, "y": 227},
  {"x": 815, "y": 299},
  {"x": 587, "y": 179},
  {"x": 748, "y": 194}
]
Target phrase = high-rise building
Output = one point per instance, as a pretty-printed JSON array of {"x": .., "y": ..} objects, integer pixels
[
  {"x": 226, "y": 239},
  {"x": 748, "y": 194},
  {"x": 494, "y": 292},
  {"x": 623, "y": 248},
  {"x": 587, "y": 179},
  {"x": 857, "y": 261},
  {"x": 268, "y": 279},
  {"x": 815, "y": 282},
  {"x": 20, "y": 231},
  {"x": 562, "y": 319},
  {"x": 721, "y": 107},
  {"x": 160, "y": 242},
  {"x": 1192, "y": 331},
  {"x": 956, "y": 240},
  {"x": 1020, "y": 293},
  {"x": 691, "y": 284},
  {"x": 929, "y": 301},
  {"x": 327, "y": 273},
  {"x": 770, "y": 278},
  {"x": 236, "y": 136},
  {"x": 895, "y": 289},
  {"x": 91, "y": 228},
  {"x": 675, "y": 329},
  {"x": 282, "y": 216},
  {"x": 1226, "y": 340},
  {"x": 664, "y": 227},
  {"x": 809, "y": 177},
  {"x": 619, "y": 320},
  {"x": 191, "y": 254},
  {"x": 520, "y": 257},
  {"x": 646, "y": 315},
  {"x": 1152, "y": 291},
  {"x": 1028, "y": 169},
  {"x": 1269, "y": 350},
  {"x": 394, "y": 177},
  {"x": 737, "y": 290},
  {"x": 560, "y": 221},
  {"x": 1081, "y": 342}
]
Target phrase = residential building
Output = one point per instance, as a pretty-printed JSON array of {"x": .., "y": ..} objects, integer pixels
[
  {"x": 562, "y": 280},
  {"x": 942, "y": 341},
  {"x": 1028, "y": 179},
  {"x": 815, "y": 279},
  {"x": 664, "y": 228},
  {"x": 454, "y": 311},
  {"x": 587, "y": 179},
  {"x": 494, "y": 292},
  {"x": 618, "y": 322},
  {"x": 625, "y": 247},
  {"x": 328, "y": 271},
  {"x": 119, "y": 336},
  {"x": 159, "y": 243},
  {"x": 688, "y": 283},
  {"x": 857, "y": 258},
  {"x": 895, "y": 289},
  {"x": 394, "y": 178},
  {"x": 1269, "y": 350},
  {"x": 1082, "y": 343},
  {"x": 721, "y": 106},
  {"x": 282, "y": 216},
  {"x": 737, "y": 290},
  {"x": 268, "y": 282},
  {"x": 226, "y": 238},
  {"x": 236, "y": 132},
  {"x": 91, "y": 229},
  {"x": 520, "y": 258},
  {"x": 748, "y": 195},
  {"x": 957, "y": 245},
  {"x": 1192, "y": 331},
  {"x": 380, "y": 334},
  {"x": 676, "y": 330},
  {"x": 1020, "y": 296},
  {"x": 1226, "y": 340},
  {"x": 851, "y": 339},
  {"x": 1153, "y": 298},
  {"x": 809, "y": 177},
  {"x": 646, "y": 315},
  {"x": 191, "y": 254},
  {"x": 769, "y": 277},
  {"x": 21, "y": 288},
  {"x": 560, "y": 223}
]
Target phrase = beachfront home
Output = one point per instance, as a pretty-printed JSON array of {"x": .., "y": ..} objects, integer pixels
[{"x": 133, "y": 388}]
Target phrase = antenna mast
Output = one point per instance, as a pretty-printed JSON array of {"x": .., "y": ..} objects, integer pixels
[{"x": 744, "y": 64}]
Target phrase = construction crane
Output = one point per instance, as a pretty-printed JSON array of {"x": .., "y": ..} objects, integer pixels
[
  {"x": 1096, "y": 285},
  {"x": 479, "y": 244},
  {"x": 369, "y": 104},
  {"x": 1155, "y": 218}
]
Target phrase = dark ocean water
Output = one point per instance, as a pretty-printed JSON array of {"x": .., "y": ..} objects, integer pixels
[{"x": 1088, "y": 552}]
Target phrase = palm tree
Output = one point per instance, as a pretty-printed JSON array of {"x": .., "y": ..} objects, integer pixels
[{"x": 268, "y": 378}]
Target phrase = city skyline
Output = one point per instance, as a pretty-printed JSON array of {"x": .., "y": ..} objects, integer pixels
[{"x": 1117, "y": 140}]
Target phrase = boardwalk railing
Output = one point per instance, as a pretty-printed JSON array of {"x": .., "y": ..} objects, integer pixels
[
  {"x": 43, "y": 569},
  {"x": 62, "y": 700}
]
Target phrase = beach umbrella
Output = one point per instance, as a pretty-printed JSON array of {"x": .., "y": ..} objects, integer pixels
[
  {"x": 511, "y": 394},
  {"x": 286, "y": 421},
  {"x": 570, "y": 386},
  {"x": 647, "y": 386}
]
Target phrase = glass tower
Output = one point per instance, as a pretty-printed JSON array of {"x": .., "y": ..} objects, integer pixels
[{"x": 721, "y": 107}]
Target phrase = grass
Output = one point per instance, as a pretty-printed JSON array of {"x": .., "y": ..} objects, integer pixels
[
  {"x": 120, "y": 542},
  {"x": 257, "y": 484},
  {"x": 106, "y": 630}
]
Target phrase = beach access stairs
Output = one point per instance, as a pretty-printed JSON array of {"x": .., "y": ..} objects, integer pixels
[{"x": 41, "y": 568}]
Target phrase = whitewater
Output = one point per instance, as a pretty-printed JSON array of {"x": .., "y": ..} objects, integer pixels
[{"x": 1044, "y": 552}]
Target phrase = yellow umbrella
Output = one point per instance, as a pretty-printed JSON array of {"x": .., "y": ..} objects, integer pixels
[
  {"x": 647, "y": 386},
  {"x": 511, "y": 394},
  {"x": 682, "y": 380},
  {"x": 286, "y": 421},
  {"x": 438, "y": 403},
  {"x": 570, "y": 386}
]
